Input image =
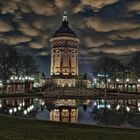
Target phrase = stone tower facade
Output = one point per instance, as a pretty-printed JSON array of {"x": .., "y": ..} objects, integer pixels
[
  {"x": 64, "y": 52},
  {"x": 64, "y": 58}
]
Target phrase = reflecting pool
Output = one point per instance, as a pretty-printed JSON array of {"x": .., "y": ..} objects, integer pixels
[{"x": 99, "y": 112}]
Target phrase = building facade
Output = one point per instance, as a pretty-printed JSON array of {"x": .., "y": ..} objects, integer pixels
[
  {"x": 65, "y": 111},
  {"x": 64, "y": 56},
  {"x": 64, "y": 52}
]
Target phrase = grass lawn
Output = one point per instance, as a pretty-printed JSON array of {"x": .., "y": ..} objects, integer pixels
[{"x": 22, "y": 129}]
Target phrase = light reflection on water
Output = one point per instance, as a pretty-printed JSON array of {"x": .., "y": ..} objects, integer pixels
[
  {"x": 84, "y": 117},
  {"x": 75, "y": 111}
]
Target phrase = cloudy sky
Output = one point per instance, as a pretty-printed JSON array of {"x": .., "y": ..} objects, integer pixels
[{"x": 105, "y": 27}]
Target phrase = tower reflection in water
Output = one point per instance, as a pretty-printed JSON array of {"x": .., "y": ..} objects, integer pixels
[{"x": 65, "y": 111}]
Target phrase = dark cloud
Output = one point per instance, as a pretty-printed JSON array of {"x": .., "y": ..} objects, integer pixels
[
  {"x": 97, "y": 4},
  {"x": 134, "y": 33},
  {"x": 14, "y": 39},
  {"x": 5, "y": 26},
  {"x": 134, "y": 6},
  {"x": 27, "y": 29},
  {"x": 105, "y": 27}
]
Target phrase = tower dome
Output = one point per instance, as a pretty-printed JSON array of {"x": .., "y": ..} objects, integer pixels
[
  {"x": 65, "y": 30},
  {"x": 64, "y": 52}
]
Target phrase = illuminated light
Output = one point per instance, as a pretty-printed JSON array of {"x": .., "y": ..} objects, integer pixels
[
  {"x": 43, "y": 81},
  {"x": 36, "y": 84},
  {"x": 16, "y": 78},
  {"x": 95, "y": 103},
  {"x": 31, "y": 107},
  {"x": 138, "y": 85},
  {"x": 23, "y": 79},
  {"x": 102, "y": 83},
  {"x": 31, "y": 78},
  {"x": 26, "y": 77},
  {"x": 108, "y": 106},
  {"x": 19, "y": 108},
  {"x": 43, "y": 103},
  {"x": 100, "y": 106},
  {"x": 103, "y": 106},
  {"x": 103, "y": 101},
  {"x": 108, "y": 80},
  {"x": 25, "y": 112},
  {"x": 102, "y": 75},
  {"x": 138, "y": 80},
  {"x": 10, "y": 111},
  {"x": 36, "y": 99},
  {"x": 117, "y": 80},
  {"x": 20, "y": 78},
  {"x": 138, "y": 108},
  {"x": 0, "y": 105},
  {"x": 23, "y": 103},
  {"x": 11, "y": 78},
  {"x": 127, "y": 80},
  {"x": 118, "y": 107},
  {"x": 56, "y": 110},
  {"x": 127, "y": 109},
  {"x": 59, "y": 73},
  {"x": 1, "y": 84},
  {"x": 28, "y": 109},
  {"x": 15, "y": 109},
  {"x": 20, "y": 104}
]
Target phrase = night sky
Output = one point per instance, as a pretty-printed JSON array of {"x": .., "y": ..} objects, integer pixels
[{"x": 105, "y": 28}]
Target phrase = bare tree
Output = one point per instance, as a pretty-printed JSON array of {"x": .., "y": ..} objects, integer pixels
[
  {"x": 18, "y": 65},
  {"x": 134, "y": 66},
  {"x": 29, "y": 67},
  {"x": 7, "y": 57},
  {"x": 14, "y": 63},
  {"x": 109, "y": 68}
]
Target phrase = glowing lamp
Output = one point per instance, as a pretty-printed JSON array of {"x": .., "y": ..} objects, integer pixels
[
  {"x": 25, "y": 112},
  {"x": 10, "y": 111},
  {"x": 15, "y": 109}
]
